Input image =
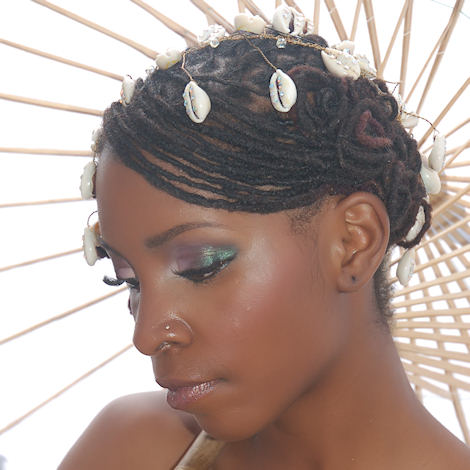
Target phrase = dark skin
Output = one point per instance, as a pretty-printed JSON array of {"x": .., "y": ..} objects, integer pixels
[{"x": 306, "y": 375}]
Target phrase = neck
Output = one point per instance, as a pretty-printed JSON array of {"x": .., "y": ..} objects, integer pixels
[{"x": 362, "y": 413}]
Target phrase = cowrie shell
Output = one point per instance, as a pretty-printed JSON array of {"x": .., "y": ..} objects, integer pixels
[
  {"x": 95, "y": 136},
  {"x": 418, "y": 225},
  {"x": 341, "y": 64},
  {"x": 283, "y": 91},
  {"x": 438, "y": 152},
  {"x": 86, "y": 180},
  {"x": 346, "y": 45},
  {"x": 196, "y": 102},
  {"x": 406, "y": 266},
  {"x": 408, "y": 120},
  {"x": 169, "y": 58},
  {"x": 366, "y": 69},
  {"x": 281, "y": 19},
  {"x": 212, "y": 35},
  {"x": 309, "y": 28},
  {"x": 299, "y": 22},
  {"x": 127, "y": 89},
  {"x": 90, "y": 242},
  {"x": 252, "y": 24},
  {"x": 431, "y": 180}
]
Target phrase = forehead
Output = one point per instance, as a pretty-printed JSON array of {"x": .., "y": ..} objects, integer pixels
[{"x": 131, "y": 208}]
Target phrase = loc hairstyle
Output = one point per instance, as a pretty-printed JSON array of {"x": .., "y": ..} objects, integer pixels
[{"x": 341, "y": 136}]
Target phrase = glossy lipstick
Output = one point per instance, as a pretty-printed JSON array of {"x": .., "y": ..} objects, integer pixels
[{"x": 183, "y": 396}]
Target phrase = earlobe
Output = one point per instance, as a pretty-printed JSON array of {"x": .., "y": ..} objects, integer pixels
[{"x": 364, "y": 239}]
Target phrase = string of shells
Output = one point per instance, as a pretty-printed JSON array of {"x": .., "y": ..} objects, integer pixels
[{"x": 340, "y": 60}]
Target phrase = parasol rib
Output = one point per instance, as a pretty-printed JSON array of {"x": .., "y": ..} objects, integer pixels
[
  {"x": 71, "y": 153},
  {"x": 213, "y": 14},
  {"x": 187, "y": 35},
  {"x": 370, "y": 19},
  {"x": 40, "y": 260},
  {"x": 316, "y": 16},
  {"x": 254, "y": 9},
  {"x": 434, "y": 352},
  {"x": 63, "y": 60},
  {"x": 333, "y": 11},
  {"x": 40, "y": 203},
  {"x": 405, "y": 47},
  {"x": 432, "y": 313},
  {"x": 440, "y": 259},
  {"x": 63, "y": 390},
  {"x": 355, "y": 20},
  {"x": 381, "y": 69},
  {"x": 51, "y": 104},
  {"x": 61, "y": 316},
  {"x": 129, "y": 42},
  {"x": 422, "y": 300},
  {"x": 442, "y": 49},
  {"x": 428, "y": 386}
]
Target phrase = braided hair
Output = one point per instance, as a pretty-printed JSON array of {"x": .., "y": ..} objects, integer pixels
[{"x": 341, "y": 136}]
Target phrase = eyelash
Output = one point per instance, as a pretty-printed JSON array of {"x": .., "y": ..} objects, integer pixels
[
  {"x": 204, "y": 275},
  {"x": 197, "y": 276}
]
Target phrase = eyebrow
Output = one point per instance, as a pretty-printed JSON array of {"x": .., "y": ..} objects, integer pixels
[{"x": 161, "y": 238}]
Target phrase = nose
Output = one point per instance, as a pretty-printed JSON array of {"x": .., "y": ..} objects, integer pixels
[{"x": 158, "y": 329}]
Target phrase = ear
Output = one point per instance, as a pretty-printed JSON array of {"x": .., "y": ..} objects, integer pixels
[{"x": 360, "y": 239}]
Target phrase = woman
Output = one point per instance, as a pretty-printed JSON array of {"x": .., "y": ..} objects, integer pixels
[{"x": 253, "y": 235}]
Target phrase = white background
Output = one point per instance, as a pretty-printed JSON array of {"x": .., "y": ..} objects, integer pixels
[{"x": 39, "y": 364}]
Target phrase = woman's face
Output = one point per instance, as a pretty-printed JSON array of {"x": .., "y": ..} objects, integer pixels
[{"x": 234, "y": 308}]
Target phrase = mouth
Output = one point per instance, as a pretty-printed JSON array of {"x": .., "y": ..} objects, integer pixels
[{"x": 182, "y": 395}]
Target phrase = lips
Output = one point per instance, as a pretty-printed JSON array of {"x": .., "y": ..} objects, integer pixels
[{"x": 182, "y": 394}]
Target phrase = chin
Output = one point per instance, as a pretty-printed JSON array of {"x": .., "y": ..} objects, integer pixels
[{"x": 230, "y": 427}]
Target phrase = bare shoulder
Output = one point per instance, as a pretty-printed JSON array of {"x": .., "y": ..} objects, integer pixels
[{"x": 136, "y": 431}]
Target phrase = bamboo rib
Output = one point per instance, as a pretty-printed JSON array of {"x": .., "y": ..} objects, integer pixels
[
  {"x": 40, "y": 260},
  {"x": 292, "y": 4},
  {"x": 255, "y": 10},
  {"x": 40, "y": 203},
  {"x": 433, "y": 352},
  {"x": 129, "y": 42},
  {"x": 442, "y": 48},
  {"x": 451, "y": 200},
  {"x": 241, "y": 6},
  {"x": 438, "y": 281},
  {"x": 357, "y": 11},
  {"x": 438, "y": 364},
  {"x": 428, "y": 386},
  {"x": 464, "y": 333},
  {"x": 459, "y": 164},
  {"x": 70, "y": 153},
  {"x": 383, "y": 64},
  {"x": 440, "y": 259},
  {"x": 188, "y": 36},
  {"x": 61, "y": 59},
  {"x": 422, "y": 300},
  {"x": 333, "y": 11},
  {"x": 406, "y": 324},
  {"x": 410, "y": 314},
  {"x": 213, "y": 14},
  {"x": 405, "y": 47},
  {"x": 424, "y": 67},
  {"x": 316, "y": 16},
  {"x": 449, "y": 380},
  {"x": 60, "y": 316},
  {"x": 433, "y": 337},
  {"x": 63, "y": 390},
  {"x": 201, "y": 454},
  {"x": 51, "y": 104},
  {"x": 456, "y": 154},
  {"x": 370, "y": 19}
]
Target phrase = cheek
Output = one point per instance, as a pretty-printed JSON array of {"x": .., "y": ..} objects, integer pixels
[{"x": 273, "y": 335}]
